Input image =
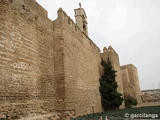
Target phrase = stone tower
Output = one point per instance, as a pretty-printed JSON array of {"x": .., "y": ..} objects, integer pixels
[
  {"x": 131, "y": 82},
  {"x": 114, "y": 58},
  {"x": 81, "y": 19}
]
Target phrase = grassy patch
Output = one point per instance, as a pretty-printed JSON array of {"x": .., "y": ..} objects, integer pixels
[{"x": 120, "y": 114}]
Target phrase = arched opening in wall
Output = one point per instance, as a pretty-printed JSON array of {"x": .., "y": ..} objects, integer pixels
[
  {"x": 92, "y": 109},
  {"x": 69, "y": 22},
  {"x": 23, "y": 7},
  {"x": 84, "y": 26},
  {"x": 84, "y": 23}
]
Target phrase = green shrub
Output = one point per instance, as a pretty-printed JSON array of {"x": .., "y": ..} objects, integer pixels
[{"x": 130, "y": 101}]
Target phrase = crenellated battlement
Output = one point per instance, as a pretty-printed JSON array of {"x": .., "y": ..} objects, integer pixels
[
  {"x": 33, "y": 5},
  {"x": 68, "y": 23},
  {"x": 37, "y": 12},
  {"x": 128, "y": 66},
  {"x": 31, "y": 9}
]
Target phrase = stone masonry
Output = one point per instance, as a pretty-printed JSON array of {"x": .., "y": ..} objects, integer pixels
[
  {"x": 114, "y": 58},
  {"x": 51, "y": 69},
  {"x": 131, "y": 82}
]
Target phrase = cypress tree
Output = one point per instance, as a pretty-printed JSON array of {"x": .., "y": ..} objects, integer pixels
[{"x": 110, "y": 98}]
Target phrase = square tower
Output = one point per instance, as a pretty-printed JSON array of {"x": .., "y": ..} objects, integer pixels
[{"x": 81, "y": 19}]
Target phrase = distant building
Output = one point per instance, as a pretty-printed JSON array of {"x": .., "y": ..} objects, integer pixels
[{"x": 151, "y": 95}]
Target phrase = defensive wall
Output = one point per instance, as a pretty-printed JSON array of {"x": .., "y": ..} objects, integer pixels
[
  {"x": 79, "y": 89},
  {"x": 49, "y": 67},
  {"x": 27, "y": 83}
]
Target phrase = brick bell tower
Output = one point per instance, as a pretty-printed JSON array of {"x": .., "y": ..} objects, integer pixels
[{"x": 81, "y": 19}]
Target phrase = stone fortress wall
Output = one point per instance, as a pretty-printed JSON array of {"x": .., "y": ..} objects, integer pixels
[
  {"x": 127, "y": 75},
  {"x": 27, "y": 83},
  {"x": 131, "y": 82},
  {"x": 49, "y": 66},
  {"x": 114, "y": 58},
  {"x": 81, "y": 63}
]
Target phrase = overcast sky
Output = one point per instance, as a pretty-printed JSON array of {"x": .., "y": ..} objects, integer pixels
[{"x": 131, "y": 27}]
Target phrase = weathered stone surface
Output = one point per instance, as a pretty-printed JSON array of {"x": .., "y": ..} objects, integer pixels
[
  {"x": 80, "y": 61},
  {"x": 114, "y": 58},
  {"x": 48, "y": 69},
  {"x": 131, "y": 82},
  {"x": 26, "y": 59}
]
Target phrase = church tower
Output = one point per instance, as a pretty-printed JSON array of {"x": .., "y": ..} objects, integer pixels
[{"x": 81, "y": 19}]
